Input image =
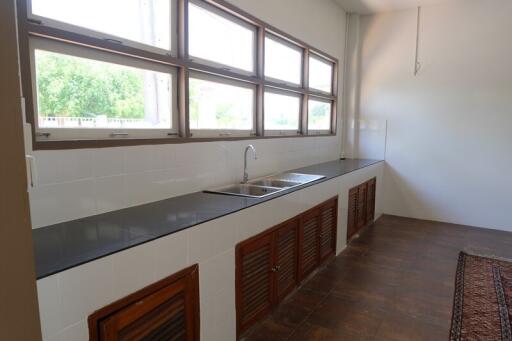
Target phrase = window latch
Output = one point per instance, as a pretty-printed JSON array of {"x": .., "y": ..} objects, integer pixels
[
  {"x": 118, "y": 134},
  {"x": 35, "y": 21},
  {"x": 47, "y": 135}
]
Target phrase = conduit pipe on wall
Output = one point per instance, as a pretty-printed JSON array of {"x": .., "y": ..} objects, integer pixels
[
  {"x": 417, "y": 64},
  {"x": 352, "y": 86},
  {"x": 344, "y": 121}
]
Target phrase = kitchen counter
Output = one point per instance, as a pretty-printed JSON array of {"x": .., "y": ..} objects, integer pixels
[{"x": 66, "y": 245}]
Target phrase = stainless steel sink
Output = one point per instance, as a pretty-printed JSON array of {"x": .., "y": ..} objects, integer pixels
[
  {"x": 274, "y": 183},
  {"x": 266, "y": 186},
  {"x": 246, "y": 190},
  {"x": 296, "y": 177}
]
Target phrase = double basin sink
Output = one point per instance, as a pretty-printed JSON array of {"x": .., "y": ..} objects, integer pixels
[{"x": 266, "y": 186}]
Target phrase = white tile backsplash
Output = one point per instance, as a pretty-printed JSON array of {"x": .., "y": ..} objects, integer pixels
[
  {"x": 138, "y": 159},
  {"x": 110, "y": 193},
  {"x": 62, "y": 202},
  {"x": 107, "y": 162},
  {"x": 74, "y": 165},
  {"x": 77, "y": 183}
]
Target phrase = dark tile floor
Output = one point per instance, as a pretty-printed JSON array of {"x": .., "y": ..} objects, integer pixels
[{"x": 393, "y": 282}]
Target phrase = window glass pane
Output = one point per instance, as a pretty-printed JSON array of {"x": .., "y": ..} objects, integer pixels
[
  {"x": 320, "y": 75},
  {"x": 81, "y": 93},
  {"x": 215, "y": 38},
  {"x": 220, "y": 106},
  {"x": 319, "y": 115},
  {"x": 143, "y": 21},
  {"x": 281, "y": 112},
  {"x": 282, "y": 62}
]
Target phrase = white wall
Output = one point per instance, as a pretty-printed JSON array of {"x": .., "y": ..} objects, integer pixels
[
  {"x": 448, "y": 150},
  {"x": 79, "y": 183}
]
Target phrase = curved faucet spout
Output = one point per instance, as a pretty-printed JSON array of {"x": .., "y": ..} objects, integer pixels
[{"x": 246, "y": 174}]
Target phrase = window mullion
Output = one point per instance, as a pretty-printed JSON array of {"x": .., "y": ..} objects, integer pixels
[
  {"x": 183, "y": 102},
  {"x": 305, "y": 97},
  {"x": 335, "y": 85},
  {"x": 183, "y": 75},
  {"x": 183, "y": 29},
  {"x": 260, "y": 74}
]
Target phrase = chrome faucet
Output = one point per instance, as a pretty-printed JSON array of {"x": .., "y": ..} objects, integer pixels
[{"x": 246, "y": 175}]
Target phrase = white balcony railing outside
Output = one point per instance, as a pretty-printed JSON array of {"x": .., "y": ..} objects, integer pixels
[{"x": 99, "y": 122}]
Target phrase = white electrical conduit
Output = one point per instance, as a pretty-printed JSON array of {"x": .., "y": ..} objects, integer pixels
[
  {"x": 344, "y": 89},
  {"x": 417, "y": 64},
  {"x": 32, "y": 172}
]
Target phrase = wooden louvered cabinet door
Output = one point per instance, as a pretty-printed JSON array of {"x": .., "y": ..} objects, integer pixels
[
  {"x": 361, "y": 205},
  {"x": 328, "y": 228},
  {"x": 166, "y": 310},
  {"x": 370, "y": 200},
  {"x": 286, "y": 263},
  {"x": 353, "y": 200},
  {"x": 309, "y": 245},
  {"x": 254, "y": 279},
  {"x": 269, "y": 266}
]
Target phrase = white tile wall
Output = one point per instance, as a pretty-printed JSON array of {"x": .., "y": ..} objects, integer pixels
[
  {"x": 68, "y": 298},
  {"x": 76, "y": 286},
  {"x": 50, "y": 311},
  {"x": 74, "y": 184},
  {"x": 133, "y": 269}
]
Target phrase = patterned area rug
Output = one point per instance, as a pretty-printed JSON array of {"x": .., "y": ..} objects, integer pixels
[{"x": 482, "y": 305}]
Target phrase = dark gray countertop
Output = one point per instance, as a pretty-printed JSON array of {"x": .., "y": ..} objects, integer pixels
[{"x": 63, "y": 246}]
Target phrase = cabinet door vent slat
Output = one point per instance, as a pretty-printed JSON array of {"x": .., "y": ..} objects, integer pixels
[
  {"x": 361, "y": 206},
  {"x": 256, "y": 257},
  {"x": 328, "y": 231},
  {"x": 257, "y": 283},
  {"x": 167, "y": 314},
  {"x": 256, "y": 270},
  {"x": 172, "y": 330},
  {"x": 352, "y": 212},
  {"x": 254, "y": 297},
  {"x": 255, "y": 304},
  {"x": 254, "y": 282},
  {"x": 287, "y": 260}
]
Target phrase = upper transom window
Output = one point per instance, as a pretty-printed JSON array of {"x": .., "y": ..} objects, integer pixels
[
  {"x": 283, "y": 61},
  {"x": 320, "y": 74},
  {"x": 216, "y": 37},
  {"x": 145, "y": 22}
]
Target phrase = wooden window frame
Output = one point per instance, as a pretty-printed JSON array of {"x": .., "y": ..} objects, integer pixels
[{"x": 179, "y": 59}]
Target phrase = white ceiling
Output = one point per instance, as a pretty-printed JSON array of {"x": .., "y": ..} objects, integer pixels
[{"x": 375, "y": 6}]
